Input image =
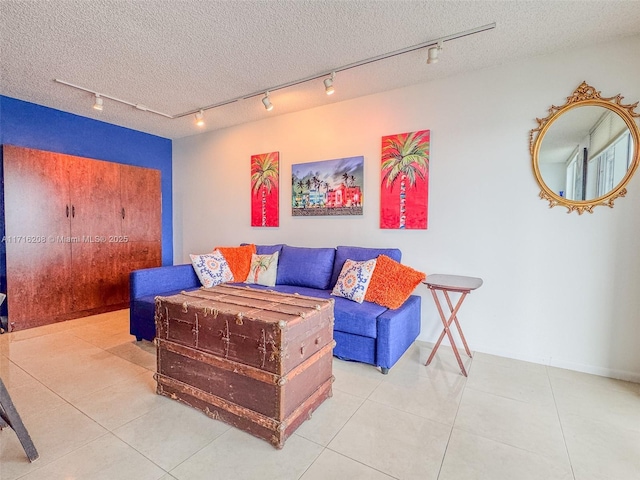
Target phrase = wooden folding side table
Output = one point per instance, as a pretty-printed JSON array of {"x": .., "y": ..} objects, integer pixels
[
  {"x": 9, "y": 418},
  {"x": 447, "y": 284}
]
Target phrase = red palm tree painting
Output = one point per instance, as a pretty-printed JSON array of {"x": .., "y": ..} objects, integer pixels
[
  {"x": 404, "y": 188},
  {"x": 265, "y": 177}
]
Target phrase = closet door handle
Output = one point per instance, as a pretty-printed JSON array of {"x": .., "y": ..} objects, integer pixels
[
  {"x": 123, "y": 213},
  {"x": 67, "y": 211},
  {"x": 73, "y": 211}
]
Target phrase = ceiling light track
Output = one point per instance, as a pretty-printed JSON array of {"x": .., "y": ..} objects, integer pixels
[
  {"x": 436, "y": 43},
  {"x": 115, "y": 99}
]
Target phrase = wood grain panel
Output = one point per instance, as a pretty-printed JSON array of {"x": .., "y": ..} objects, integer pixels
[
  {"x": 96, "y": 275},
  {"x": 136, "y": 256},
  {"x": 36, "y": 200},
  {"x": 95, "y": 198},
  {"x": 69, "y": 249},
  {"x": 142, "y": 203}
]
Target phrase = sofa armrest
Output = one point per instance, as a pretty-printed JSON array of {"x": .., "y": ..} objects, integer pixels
[
  {"x": 158, "y": 280},
  {"x": 397, "y": 330}
]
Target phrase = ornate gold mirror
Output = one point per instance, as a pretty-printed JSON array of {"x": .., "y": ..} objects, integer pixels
[{"x": 585, "y": 152}]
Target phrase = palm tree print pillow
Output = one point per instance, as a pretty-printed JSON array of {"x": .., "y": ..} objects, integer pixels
[{"x": 264, "y": 269}]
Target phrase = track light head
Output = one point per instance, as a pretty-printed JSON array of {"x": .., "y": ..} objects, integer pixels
[
  {"x": 200, "y": 118},
  {"x": 266, "y": 102},
  {"x": 328, "y": 84},
  {"x": 433, "y": 52},
  {"x": 97, "y": 105}
]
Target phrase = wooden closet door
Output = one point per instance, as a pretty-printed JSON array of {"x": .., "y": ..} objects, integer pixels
[
  {"x": 75, "y": 228},
  {"x": 37, "y": 228},
  {"x": 142, "y": 219},
  {"x": 142, "y": 203},
  {"x": 95, "y": 222}
]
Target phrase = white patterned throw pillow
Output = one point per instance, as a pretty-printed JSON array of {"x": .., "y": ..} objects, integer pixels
[
  {"x": 212, "y": 269},
  {"x": 354, "y": 279},
  {"x": 264, "y": 269}
]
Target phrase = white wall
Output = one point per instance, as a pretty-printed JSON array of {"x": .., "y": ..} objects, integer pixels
[
  {"x": 554, "y": 176},
  {"x": 559, "y": 289}
]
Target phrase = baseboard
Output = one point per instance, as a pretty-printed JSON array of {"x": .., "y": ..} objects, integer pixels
[
  {"x": 618, "y": 374},
  {"x": 601, "y": 371},
  {"x": 39, "y": 322}
]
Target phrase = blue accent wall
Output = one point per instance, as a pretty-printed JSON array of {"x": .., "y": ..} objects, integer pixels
[
  {"x": 3, "y": 249},
  {"x": 29, "y": 125}
]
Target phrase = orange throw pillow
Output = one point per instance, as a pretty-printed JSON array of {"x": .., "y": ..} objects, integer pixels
[
  {"x": 392, "y": 283},
  {"x": 239, "y": 260}
]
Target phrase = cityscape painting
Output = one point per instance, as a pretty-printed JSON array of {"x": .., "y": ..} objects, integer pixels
[
  {"x": 328, "y": 187},
  {"x": 404, "y": 188},
  {"x": 265, "y": 178}
]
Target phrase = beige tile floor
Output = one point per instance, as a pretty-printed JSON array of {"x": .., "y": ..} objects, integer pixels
[{"x": 85, "y": 391}]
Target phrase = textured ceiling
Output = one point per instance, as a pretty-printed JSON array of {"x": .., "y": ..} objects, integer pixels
[{"x": 176, "y": 56}]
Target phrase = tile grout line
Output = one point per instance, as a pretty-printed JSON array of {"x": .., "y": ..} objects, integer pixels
[
  {"x": 564, "y": 439},
  {"x": 106, "y": 432},
  {"x": 326, "y": 447},
  {"x": 511, "y": 444},
  {"x": 167, "y": 472},
  {"x": 453, "y": 423},
  {"x": 41, "y": 466},
  {"x": 365, "y": 399}
]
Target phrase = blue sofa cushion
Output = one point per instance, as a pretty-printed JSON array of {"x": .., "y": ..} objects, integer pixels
[
  {"x": 266, "y": 249},
  {"x": 357, "y": 318},
  {"x": 359, "y": 254},
  {"x": 151, "y": 299},
  {"x": 350, "y": 317},
  {"x": 142, "y": 314},
  {"x": 305, "y": 267},
  {"x": 149, "y": 280}
]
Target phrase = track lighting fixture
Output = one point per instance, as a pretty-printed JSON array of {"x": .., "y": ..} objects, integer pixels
[
  {"x": 266, "y": 102},
  {"x": 434, "y": 47},
  {"x": 328, "y": 84},
  {"x": 433, "y": 52},
  {"x": 97, "y": 105},
  {"x": 200, "y": 118}
]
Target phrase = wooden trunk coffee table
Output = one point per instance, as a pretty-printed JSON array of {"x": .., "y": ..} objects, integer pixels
[{"x": 255, "y": 359}]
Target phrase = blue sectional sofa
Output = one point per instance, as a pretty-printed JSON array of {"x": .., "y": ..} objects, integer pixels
[{"x": 364, "y": 332}]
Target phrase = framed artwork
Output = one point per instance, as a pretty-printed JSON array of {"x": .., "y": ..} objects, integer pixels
[
  {"x": 265, "y": 179},
  {"x": 328, "y": 187},
  {"x": 404, "y": 188}
]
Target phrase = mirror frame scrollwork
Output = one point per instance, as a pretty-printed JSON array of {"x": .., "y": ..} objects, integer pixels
[{"x": 585, "y": 95}]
